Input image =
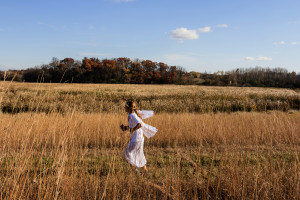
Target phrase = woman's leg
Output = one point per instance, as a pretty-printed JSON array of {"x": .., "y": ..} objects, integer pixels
[{"x": 145, "y": 168}]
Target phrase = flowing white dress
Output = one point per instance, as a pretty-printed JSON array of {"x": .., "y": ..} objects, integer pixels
[{"x": 134, "y": 152}]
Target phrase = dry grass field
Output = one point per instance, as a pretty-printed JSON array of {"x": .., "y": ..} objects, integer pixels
[
  {"x": 33, "y": 97},
  {"x": 75, "y": 152}
]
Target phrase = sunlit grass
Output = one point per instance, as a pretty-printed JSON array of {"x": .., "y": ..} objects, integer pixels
[
  {"x": 64, "y": 98},
  {"x": 79, "y": 156},
  {"x": 63, "y": 141}
]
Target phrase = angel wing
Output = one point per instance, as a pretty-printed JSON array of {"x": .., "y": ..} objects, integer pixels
[
  {"x": 146, "y": 113},
  {"x": 149, "y": 131}
]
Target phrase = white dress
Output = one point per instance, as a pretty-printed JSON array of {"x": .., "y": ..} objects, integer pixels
[{"x": 134, "y": 152}]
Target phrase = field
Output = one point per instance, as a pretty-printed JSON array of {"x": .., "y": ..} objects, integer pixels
[
  {"x": 87, "y": 98},
  {"x": 62, "y": 141}
]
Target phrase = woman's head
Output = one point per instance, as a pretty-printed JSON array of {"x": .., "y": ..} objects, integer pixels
[{"x": 130, "y": 106}]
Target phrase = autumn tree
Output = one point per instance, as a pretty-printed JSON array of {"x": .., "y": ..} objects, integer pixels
[
  {"x": 149, "y": 68},
  {"x": 122, "y": 70},
  {"x": 137, "y": 73}
]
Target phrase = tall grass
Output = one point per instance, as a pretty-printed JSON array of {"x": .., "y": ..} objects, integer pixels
[
  {"x": 65, "y": 143},
  {"x": 205, "y": 156},
  {"x": 64, "y": 98}
]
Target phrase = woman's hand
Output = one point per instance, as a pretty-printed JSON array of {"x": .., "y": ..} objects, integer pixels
[{"x": 124, "y": 128}]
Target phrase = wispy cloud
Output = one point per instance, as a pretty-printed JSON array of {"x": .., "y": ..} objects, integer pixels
[
  {"x": 182, "y": 34},
  {"x": 3, "y": 67},
  {"x": 295, "y": 43},
  {"x": 179, "y": 59},
  {"x": 222, "y": 26},
  {"x": 93, "y": 54},
  {"x": 284, "y": 43},
  {"x": 259, "y": 58},
  {"x": 205, "y": 29},
  {"x": 82, "y": 43},
  {"x": 48, "y": 25},
  {"x": 294, "y": 22},
  {"x": 280, "y": 43},
  {"x": 91, "y": 27}
]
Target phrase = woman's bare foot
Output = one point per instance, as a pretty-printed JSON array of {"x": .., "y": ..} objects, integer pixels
[{"x": 145, "y": 168}]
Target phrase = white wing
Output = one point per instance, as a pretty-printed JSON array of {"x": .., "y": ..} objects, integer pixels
[
  {"x": 148, "y": 130},
  {"x": 146, "y": 113}
]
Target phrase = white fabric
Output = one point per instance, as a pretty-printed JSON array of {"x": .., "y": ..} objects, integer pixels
[
  {"x": 134, "y": 152},
  {"x": 146, "y": 113},
  {"x": 149, "y": 131}
]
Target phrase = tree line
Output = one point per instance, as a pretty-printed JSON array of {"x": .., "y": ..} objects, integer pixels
[
  {"x": 126, "y": 71},
  {"x": 255, "y": 77}
]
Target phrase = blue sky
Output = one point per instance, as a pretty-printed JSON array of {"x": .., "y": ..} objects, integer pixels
[{"x": 199, "y": 35}]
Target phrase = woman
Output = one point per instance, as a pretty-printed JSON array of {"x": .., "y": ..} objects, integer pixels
[{"x": 134, "y": 153}]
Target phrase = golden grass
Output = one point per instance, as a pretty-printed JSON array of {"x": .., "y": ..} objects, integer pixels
[
  {"x": 64, "y": 98},
  {"x": 204, "y": 156},
  {"x": 65, "y": 143}
]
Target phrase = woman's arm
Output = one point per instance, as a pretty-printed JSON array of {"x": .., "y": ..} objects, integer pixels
[
  {"x": 125, "y": 128},
  {"x": 139, "y": 125}
]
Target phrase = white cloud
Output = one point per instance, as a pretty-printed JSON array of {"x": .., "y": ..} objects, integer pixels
[
  {"x": 250, "y": 58},
  {"x": 263, "y": 58},
  {"x": 259, "y": 58},
  {"x": 182, "y": 34},
  {"x": 222, "y": 26},
  {"x": 280, "y": 43},
  {"x": 205, "y": 29},
  {"x": 93, "y": 54},
  {"x": 295, "y": 43}
]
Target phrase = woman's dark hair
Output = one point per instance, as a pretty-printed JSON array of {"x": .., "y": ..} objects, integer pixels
[{"x": 132, "y": 106}]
